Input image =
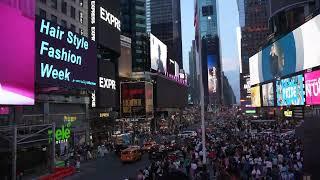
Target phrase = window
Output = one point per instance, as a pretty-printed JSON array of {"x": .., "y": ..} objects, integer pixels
[
  {"x": 73, "y": 12},
  {"x": 54, "y": 18},
  {"x": 54, "y": 4},
  {"x": 43, "y": 1},
  {"x": 63, "y": 23},
  {"x": 73, "y": 28},
  {"x": 81, "y": 3},
  {"x": 64, "y": 7},
  {"x": 81, "y": 31},
  {"x": 43, "y": 13},
  {"x": 81, "y": 17}
]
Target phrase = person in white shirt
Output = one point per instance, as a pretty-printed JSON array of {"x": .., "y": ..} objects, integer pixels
[{"x": 256, "y": 173}]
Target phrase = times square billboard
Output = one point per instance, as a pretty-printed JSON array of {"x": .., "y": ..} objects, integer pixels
[
  {"x": 255, "y": 96},
  {"x": 296, "y": 51},
  {"x": 291, "y": 91},
  {"x": 268, "y": 95},
  {"x": 17, "y": 52},
  {"x": 212, "y": 74},
  {"x": 312, "y": 85},
  {"x": 158, "y": 54},
  {"x": 136, "y": 99},
  {"x": 105, "y": 24},
  {"x": 64, "y": 58}
]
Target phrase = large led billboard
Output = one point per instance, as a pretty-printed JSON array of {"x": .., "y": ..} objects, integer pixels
[
  {"x": 149, "y": 99},
  {"x": 290, "y": 91},
  {"x": 133, "y": 101},
  {"x": 158, "y": 53},
  {"x": 107, "y": 86},
  {"x": 105, "y": 24},
  {"x": 268, "y": 95},
  {"x": 294, "y": 52},
  {"x": 255, "y": 96},
  {"x": 312, "y": 83},
  {"x": 17, "y": 52},
  {"x": 64, "y": 58},
  {"x": 212, "y": 74}
]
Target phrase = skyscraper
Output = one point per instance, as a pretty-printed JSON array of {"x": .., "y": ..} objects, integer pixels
[
  {"x": 208, "y": 49},
  {"x": 253, "y": 16},
  {"x": 166, "y": 26},
  {"x": 193, "y": 76},
  {"x": 133, "y": 18}
]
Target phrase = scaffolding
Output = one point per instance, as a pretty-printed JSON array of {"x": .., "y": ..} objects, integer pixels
[{"x": 21, "y": 136}]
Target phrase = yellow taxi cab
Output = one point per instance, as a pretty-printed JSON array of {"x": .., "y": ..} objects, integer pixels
[{"x": 131, "y": 154}]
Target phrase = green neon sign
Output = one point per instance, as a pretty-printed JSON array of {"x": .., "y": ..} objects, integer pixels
[{"x": 62, "y": 134}]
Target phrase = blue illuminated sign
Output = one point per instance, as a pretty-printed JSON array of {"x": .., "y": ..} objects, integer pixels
[{"x": 290, "y": 91}]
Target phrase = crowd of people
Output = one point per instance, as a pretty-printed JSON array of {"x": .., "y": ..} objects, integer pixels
[
  {"x": 272, "y": 152},
  {"x": 236, "y": 149}
]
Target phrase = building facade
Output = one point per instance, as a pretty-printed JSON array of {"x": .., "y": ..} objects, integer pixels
[
  {"x": 208, "y": 49},
  {"x": 134, "y": 26},
  {"x": 69, "y": 14},
  {"x": 253, "y": 16},
  {"x": 193, "y": 76},
  {"x": 166, "y": 26}
]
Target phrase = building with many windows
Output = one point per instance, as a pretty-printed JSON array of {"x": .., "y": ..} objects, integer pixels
[
  {"x": 133, "y": 18},
  {"x": 208, "y": 50},
  {"x": 71, "y": 14},
  {"x": 253, "y": 16},
  {"x": 166, "y": 26}
]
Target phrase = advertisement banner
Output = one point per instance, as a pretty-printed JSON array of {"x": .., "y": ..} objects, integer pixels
[
  {"x": 64, "y": 58},
  {"x": 158, "y": 53},
  {"x": 267, "y": 95},
  {"x": 255, "y": 96},
  {"x": 105, "y": 24},
  {"x": 212, "y": 74},
  {"x": 107, "y": 86},
  {"x": 292, "y": 53},
  {"x": 149, "y": 99},
  {"x": 290, "y": 91},
  {"x": 312, "y": 83},
  {"x": 17, "y": 52},
  {"x": 133, "y": 102}
]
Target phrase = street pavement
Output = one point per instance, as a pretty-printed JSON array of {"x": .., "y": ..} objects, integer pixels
[{"x": 109, "y": 168}]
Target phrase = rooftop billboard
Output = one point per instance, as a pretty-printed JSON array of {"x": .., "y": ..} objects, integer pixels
[{"x": 294, "y": 52}]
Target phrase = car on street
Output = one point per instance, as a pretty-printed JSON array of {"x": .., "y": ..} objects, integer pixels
[
  {"x": 119, "y": 148},
  {"x": 131, "y": 154}
]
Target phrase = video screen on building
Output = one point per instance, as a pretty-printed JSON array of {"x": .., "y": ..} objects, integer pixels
[
  {"x": 133, "y": 101},
  {"x": 312, "y": 85},
  {"x": 149, "y": 99},
  {"x": 64, "y": 58},
  {"x": 268, "y": 95},
  {"x": 290, "y": 91},
  {"x": 294, "y": 52},
  {"x": 255, "y": 96},
  {"x": 17, "y": 52},
  {"x": 212, "y": 74},
  {"x": 107, "y": 85},
  {"x": 105, "y": 23},
  {"x": 171, "y": 67},
  {"x": 158, "y": 53}
]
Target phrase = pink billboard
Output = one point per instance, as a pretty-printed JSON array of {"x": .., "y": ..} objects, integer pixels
[
  {"x": 312, "y": 84},
  {"x": 17, "y": 52}
]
